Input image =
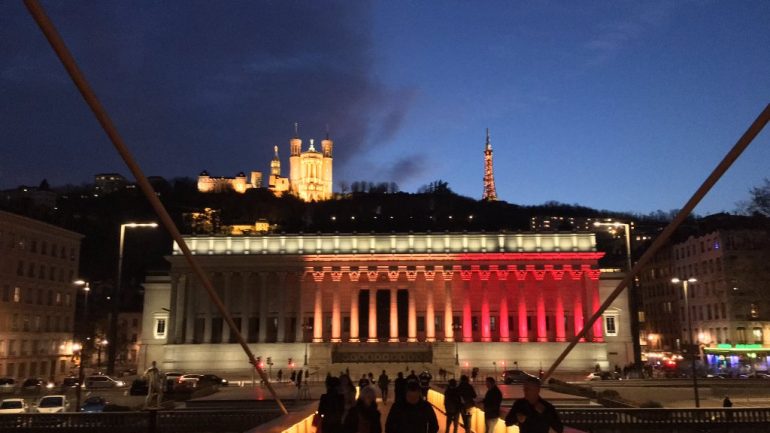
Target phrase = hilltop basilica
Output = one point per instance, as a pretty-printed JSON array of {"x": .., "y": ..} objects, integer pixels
[{"x": 310, "y": 173}]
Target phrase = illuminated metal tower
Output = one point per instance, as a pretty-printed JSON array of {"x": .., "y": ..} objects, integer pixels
[{"x": 490, "y": 193}]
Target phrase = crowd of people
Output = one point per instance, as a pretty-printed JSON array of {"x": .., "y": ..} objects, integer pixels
[{"x": 339, "y": 411}]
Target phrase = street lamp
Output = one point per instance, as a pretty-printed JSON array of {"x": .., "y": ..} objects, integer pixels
[
  {"x": 79, "y": 349},
  {"x": 113, "y": 335},
  {"x": 685, "y": 284},
  {"x": 456, "y": 327},
  {"x": 306, "y": 328},
  {"x": 632, "y": 301}
]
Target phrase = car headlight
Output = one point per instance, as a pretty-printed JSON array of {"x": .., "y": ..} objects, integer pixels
[
  {"x": 121, "y": 383},
  {"x": 49, "y": 385}
]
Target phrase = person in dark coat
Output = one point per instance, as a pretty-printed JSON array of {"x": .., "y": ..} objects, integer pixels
[
  {"x": 468, "y": 400},
  {"x": 413, "y": 415},
  {"x": 399, "y": 387},
  {"x": 533, "y": 414},
  {"x": 364, "y": 416},
  {"x": 382, "y": 382},
  {"x": 331, "y": 407},
  {"x": 425, "y": 378},
  {"x": 452, "y": 405},
  {"x": 412, "y": 377},
  {"x": 491, "y": 402}
]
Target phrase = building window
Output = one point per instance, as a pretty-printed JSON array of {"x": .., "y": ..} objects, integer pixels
[
  {"x": 160, "y": 328},
  {"x": 17, "y": 294},
  {"x": 757, "y": 333},
  {"x": 610, "y": 326}
]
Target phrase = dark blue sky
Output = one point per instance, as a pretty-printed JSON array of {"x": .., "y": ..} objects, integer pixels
[{"x": 621, "y": 105}]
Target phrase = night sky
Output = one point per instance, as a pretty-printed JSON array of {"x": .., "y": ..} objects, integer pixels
[{"x": 616, "y": 105}]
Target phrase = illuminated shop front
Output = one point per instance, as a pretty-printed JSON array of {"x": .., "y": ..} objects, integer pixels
[{"x": 739, "y": 358}]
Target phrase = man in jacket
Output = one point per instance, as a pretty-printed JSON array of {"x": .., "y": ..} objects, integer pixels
[
  {"x": 452, "y": 405},
  {"x": 491, "y": 402},
  {"x": 413, "y": 415},
  {"x": 468, "y": 399},
  {"x": 533, "y": 414}
]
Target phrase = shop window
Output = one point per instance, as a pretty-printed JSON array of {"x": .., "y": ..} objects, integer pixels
[
  {"x": 610, "y": 326},
  {"x": 160, "y": 328}
]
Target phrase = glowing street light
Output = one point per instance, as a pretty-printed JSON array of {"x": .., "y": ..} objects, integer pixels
[
  {"x": 113, "y": 335},
  {"x": 685, "y": 284}
]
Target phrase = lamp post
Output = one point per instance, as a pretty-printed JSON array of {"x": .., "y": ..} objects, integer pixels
[
  {"x": 100, "y": 343},
  {"x": 113, "y": 335},
  {"x": 633, "y": 305},
  {"x": 685, "y": 284},
  {"x": 306, "y": 328},
  {"x": 77, "y": 347},
  {"x": 455, "y": 328}
]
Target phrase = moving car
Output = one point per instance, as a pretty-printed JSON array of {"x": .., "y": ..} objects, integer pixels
[
  {"x": 69, "y": 382},
  {"x": 101, "y": 382},
  {"x": 35, "y": 385},
  {"x": 193, "y": 381},
  {"x": 603, "y": 375},
  {"x": 7, "y": 385},
  {"x": 94, "y": 404},
  {"x": 515, "y": 376},
  {"x": 52, "y": 404},
  {"x": 171, "y": 380},
  {"x": 13, "y": 405}
]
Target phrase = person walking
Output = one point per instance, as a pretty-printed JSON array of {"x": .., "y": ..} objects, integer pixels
[
  {"x": 468, "y": 400},
  {"x": 280, "y": 375},
  {"x": 331, "y": 407},
  {"x": 424, "y": 379},
  {"x": 491, "y": 403},
  {"x": 293, "y": 376},
  {"x": 382, "y": 382},
  {"x": 413, "y": 415},
  {"x": 412, "y": 377},
  {"x": 533, "y": 414},
  {"x": 452, "y": 405},
  {"x": 348, "y": 391},
  {"x": 154, "y": 386},
  {"x": 399, "y": 388},
  {"x": 299, "y": 385},
  {"x": 363, "y": 382},
  {"x": 364, "y": 416}
]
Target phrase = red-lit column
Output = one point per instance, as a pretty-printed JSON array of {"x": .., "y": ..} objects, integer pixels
[
  {"x": 593, "y": 287},
  {"x": 467, "y": 325},
  {"x": 561, "y": 325},
  {"x": 542, "y": 331},
  {"x": 522, "y": 298},
  {"x": 486, "y": 333},
  {"x": 502, "y": 285},
  {"x": 412, "y": 317},
  {"x": 578, "y": 294}
]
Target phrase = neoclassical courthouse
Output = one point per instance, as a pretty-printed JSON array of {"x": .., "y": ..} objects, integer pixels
[{"x": 427, "y": 300}]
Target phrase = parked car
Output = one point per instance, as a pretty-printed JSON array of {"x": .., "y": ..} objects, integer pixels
[
  {"x": 69, "y": 382},
  {"x": 515, "y": 376},
  {"x": 101, "y": 382},
  {"x": 171, "y": 380},
  {"x": 139, "y": 387},
  {"x": 52, "y": 404},
  {"x": 7, "y": 385},
  {"x": 214, "y": 379},
  {"x": 13, "y": 405},
  {"x": 36, "y": 385},
  {"x": 94, "y": 404}
]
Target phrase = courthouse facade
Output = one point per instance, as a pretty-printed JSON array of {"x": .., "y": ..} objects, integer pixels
[{"x": 439, "y": 300}]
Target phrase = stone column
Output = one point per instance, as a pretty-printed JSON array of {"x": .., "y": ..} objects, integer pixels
[
  {"x": 246, "y": 300},
  {"x": 542, "y": 332},
  {"x": 467, "y": 321},
  {"x": 354, "y": 315},
  {"x": 448, "y": 331},
  {"x": 336, "y": 317},
  {"x": 301, "y": 293},
  {"x": 208, "y": 316},
  {"x": 262, "y": 307},
  {"x": 598, "y": 328},
  {"x": 393, "y": 315},
  {"x": 412, "y": 320},
  {"x": 318, "y": 314},
  {"x": 560, "y": 322},
  {"x": 430, "y": 313},
  {"x": 226, "y": 300},
  {"x": 522, "y": 297},
  {"x": 505, "y": 332},
  {"x": 486, "y": 332},
  {"x": 372, "y": 315},
  {"x": 578, "y": 308},
  {"x": 190, "y": 311},
  {"x": 282, "y": 297}
]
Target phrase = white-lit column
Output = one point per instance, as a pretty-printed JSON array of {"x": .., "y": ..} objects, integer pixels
[
  {"x": 393, "y": 315},
  {"x": 372, "y": 315},
  {"x": 246, "y": 303},
  {"x": 226, "y": 300},
  {"x": 430, "y": 313},
  {"x": 412, "y": 319},
  {"x": 282, "y": 297},
  {"x": 354, "y": 314},
  {"x": 299, "y": 332},
  {"x": 318, "y": 314}
]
